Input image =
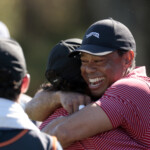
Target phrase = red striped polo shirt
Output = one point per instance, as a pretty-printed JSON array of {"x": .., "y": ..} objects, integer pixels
[{"x": 127, "y": 104}]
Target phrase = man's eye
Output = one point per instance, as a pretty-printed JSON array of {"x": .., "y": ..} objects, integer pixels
[
  {"x": 98, "y": 61},
  {"x": 83, "y": 60}
]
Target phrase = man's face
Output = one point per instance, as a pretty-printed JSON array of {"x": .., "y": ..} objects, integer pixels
[{"x": 100, "y": 72}]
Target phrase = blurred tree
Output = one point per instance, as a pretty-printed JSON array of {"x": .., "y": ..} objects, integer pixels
[
  {"x": 39, "y": 24},
  {"x": 11, "y": 13},
  {"x": 134, "y": 14},
  {"x": 54, "y": 18},
  {"x": 46, "y": 23}
]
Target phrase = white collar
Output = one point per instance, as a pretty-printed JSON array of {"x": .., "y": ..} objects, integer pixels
[{"x": 13, "y": 116}]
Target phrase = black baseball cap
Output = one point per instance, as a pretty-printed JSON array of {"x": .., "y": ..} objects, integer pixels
[
  {"x": 12, "y": 58},
  {"x": 106, "y": 36},
  {"x": 59, "y": 62}
]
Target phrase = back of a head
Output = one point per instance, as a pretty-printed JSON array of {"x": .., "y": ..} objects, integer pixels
[
  {"x": 62, "y": 71},
  {"x": 12, "y": 68},
  {"x": 4, "y": 32}
]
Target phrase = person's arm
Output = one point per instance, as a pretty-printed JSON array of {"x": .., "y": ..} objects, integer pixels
[
  {"x": 83, "y": 124},
  {"x": 42, "y": 105},
  {"x": 45, "y": 103}
]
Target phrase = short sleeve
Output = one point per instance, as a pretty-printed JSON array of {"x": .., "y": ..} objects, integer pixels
[{"x": 123, "y": 103}]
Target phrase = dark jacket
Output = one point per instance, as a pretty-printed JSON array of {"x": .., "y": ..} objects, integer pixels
[{"x": 17, "y": 139}]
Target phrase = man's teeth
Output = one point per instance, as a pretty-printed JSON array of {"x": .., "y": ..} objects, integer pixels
[{"x": 96, "y": 80}]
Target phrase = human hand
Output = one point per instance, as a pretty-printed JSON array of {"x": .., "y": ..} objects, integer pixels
[
  {"x": 42, "y": 105},
  {"x": 71, "y": 101}
]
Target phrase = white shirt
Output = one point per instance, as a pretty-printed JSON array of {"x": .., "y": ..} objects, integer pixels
[{"x": 13, "y": 116}]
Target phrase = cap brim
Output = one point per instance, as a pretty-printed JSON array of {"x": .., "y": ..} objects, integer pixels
[{"x": 93, "y": 50}]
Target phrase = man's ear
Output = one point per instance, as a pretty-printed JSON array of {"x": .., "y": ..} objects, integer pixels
[
  {"x": 25, "y": 83},
  {"x": 129, "y": 56}
]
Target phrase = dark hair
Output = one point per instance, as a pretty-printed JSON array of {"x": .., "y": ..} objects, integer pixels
[
  {"x": 76, "y": 84},
  {"x": 63, "y": 72},
  {"x": 9, "y": 88}
]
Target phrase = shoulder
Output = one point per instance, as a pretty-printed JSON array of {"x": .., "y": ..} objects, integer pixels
[
  {"x": 130, "y": 85},
  {"x": 128, "y": 90}
]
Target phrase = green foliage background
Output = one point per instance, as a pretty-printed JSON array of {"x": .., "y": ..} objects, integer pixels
[{"x": 39, "y": 24}]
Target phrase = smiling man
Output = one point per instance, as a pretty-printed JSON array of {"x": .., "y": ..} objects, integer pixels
[
  {"x": 100, "y": 71},
  {"x": 119, "y": 118}
]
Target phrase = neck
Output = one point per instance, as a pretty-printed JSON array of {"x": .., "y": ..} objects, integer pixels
[{"x": 16, "y": 99}]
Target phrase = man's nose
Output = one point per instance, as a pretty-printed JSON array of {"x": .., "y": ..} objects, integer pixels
[{"x": 90, "y": 68}]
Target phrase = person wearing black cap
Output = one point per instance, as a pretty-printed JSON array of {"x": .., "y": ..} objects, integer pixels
[
  {"x": 119, "y": 118},
  {"x": 4, "y": 33},
  {"x": 16, "y": 129},
  {"x": 63, "y": 73}
]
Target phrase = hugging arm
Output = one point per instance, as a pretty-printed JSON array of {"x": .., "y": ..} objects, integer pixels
[
  {"x": 42, "y": 105},
  {"x": 85, "y": 123},
  {"x": 45, "y": 103}
]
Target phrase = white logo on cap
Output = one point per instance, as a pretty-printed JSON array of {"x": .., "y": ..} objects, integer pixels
[{"x": 93, "y": 34}]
